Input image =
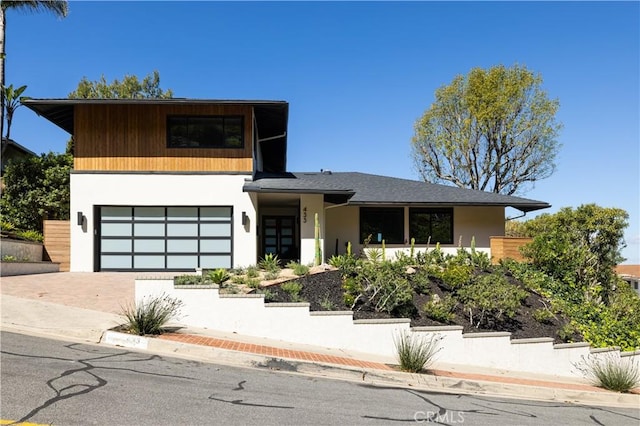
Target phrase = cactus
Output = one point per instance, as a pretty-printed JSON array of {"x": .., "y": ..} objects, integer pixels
[
  {"x": 413, "y": 248},
  {"x": 384, "y": 252},
  {"x": 349, "y": 249},
  {"x": 318, "y": 256}
]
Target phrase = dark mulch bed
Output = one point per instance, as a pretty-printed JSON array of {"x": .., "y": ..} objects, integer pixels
[{"x": 323, "y": 291}]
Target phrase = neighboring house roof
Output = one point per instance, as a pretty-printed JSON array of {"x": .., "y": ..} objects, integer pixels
[
  {"x": 12, "y": 150},
  {"x": 271, "y": 118},
  {"x": 628, "y": 270},
  {"x": 361, "y": 189}
]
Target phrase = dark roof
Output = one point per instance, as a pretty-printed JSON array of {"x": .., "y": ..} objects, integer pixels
[
  {"x": 271, "y": 119},
  {"x": 60, "y": 111},
  {"x": 12, "y": 150},
  {"x": 362, "y": 189}
]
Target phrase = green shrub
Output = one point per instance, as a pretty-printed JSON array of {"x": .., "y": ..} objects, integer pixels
[
  {"x": 384, "y": 286},
  {"x": 611, "y": 373},
  {"x": 415, "y": 352},
  {"x": 420, "y": 281},
  {"x": 298, "y": 269},
  {"x": 252, "y": 271},
  {"x": 327, "y": 304},
  {"x": 7, "y": 226},
  {"x": 566, "y": 332},
  {"x": 229, "y": 288},
  {"x": 189, "y": 280},
  {"x": 374, "y": 255},
  {"x": 456, "y": 275},
  {"x": 253, "y": 283},
  {"x": 218, "y": 276},
  {"x": 490, "y": 298},
  {"x": 31, "y": 235},
  {"x": 271, "y": 275},
  {"x": 404, "y": 259},
  {"x": 270, "y": 262},
  {"x": 151, "y": 315},
  {"x": 441, "y": 309},
  {"x": 239, "y": 270},
  {"x": 9, "y": 258},
  {"x": 239, "y": 279},
  {"x": 345, "y": 262},
  {"x": 269, "y": 295},
  {"x": 293, "y": 289},
  {"x": 543, "y": 315}
]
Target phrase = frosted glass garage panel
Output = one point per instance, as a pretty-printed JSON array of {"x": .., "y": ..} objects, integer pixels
[
  {"x": 148, "y": 262},
  {"x": 116, "y": 213},
  {"x": 115, "y": 262},
  {"x": 215, "y": 230},
  {"x": 215, "y": 246},
  {"x": 116, "y": 229},
  {"x": 182, "y": 262},
  {"x": 215, "y": 213},
  {"x": 221, "y": 261},
  {"x": 182, "y": 229},
  {"x": 149, "y": 229},
  {"x": 148, "y": 246},
  {"x": 182, "y": 246},
  {"x": 116, "y": 246},
  {"x": 149, "y": 213},
  {"x": 182, "y": 213}
]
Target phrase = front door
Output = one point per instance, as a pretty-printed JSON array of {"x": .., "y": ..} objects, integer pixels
[{"x": 279, "y": 237}]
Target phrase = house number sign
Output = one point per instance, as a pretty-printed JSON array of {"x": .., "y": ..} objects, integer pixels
[{"x": 304, "y": 214}]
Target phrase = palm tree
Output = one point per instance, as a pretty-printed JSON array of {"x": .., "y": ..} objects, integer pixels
[{"x": 57, "y": 7}]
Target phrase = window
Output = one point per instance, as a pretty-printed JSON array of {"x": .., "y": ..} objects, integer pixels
[
  {"x": 434, "y": 223},
  {"x": 205, "y": 131},
  {"x": 382, "y": 224}
]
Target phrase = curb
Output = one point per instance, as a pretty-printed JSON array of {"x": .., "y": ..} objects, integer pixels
[{"x": 427, "y": 382}]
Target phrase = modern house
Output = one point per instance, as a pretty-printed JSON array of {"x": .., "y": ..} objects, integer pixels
[{"x": 178, "y": 184}]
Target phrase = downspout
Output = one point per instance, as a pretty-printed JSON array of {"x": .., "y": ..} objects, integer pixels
[
  {"x": 272, "y": 137},
  {"x": 516, "y": 217}
]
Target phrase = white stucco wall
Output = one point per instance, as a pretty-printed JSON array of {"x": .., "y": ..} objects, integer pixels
[
  {"x": 310, "y": 204},
  {"x": 293, "y": 322},
  {"x": 124, "y": 189},
  {"x": 343, "y": 223}
]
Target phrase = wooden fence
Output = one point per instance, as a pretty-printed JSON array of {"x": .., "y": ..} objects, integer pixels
[
  {"x": 507, "y": 248},
  {"x": 57, "y": 242}
]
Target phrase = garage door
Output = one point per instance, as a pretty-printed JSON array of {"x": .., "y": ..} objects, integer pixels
[{"x": 164, "y": 238}]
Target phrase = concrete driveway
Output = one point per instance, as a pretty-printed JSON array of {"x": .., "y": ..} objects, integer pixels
[{"x": 98, "y": 291}]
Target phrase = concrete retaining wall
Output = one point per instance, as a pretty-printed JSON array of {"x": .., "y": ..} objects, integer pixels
[
  {"x": 8, "y": 269},
  {"x": 292, "y": 322},
  {"x": 24, "y": 251}
]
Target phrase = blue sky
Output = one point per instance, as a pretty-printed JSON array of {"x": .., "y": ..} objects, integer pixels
[{"x": 357, "y": 75}]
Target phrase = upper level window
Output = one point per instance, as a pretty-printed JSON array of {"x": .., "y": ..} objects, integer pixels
[
  {"x": 205, "y": 131},
  {"x": 382, "y": 223},
  {"x": 431, "y": 225}
]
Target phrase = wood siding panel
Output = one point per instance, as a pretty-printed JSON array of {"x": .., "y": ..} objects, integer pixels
[
  {"x": 507, "y": 248},
  {"x": 57, "y": 242},
  {"x": 134, "y": 138}
]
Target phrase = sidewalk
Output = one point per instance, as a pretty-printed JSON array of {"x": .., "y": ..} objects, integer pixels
[{"x": 83, "y": 307}]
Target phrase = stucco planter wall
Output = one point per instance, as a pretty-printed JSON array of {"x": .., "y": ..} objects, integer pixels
[{"x": 204, "y": 307}]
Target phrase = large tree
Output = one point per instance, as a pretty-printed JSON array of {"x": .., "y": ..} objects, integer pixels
[
  {"x": 57, "y": 7},
  {"x": 129, "y": 88},
  {"x": 492, "y": 130},
  {"x": 36, "y": 188}
]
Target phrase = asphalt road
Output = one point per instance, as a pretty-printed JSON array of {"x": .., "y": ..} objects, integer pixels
[{"x": 60, "y": 383}]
